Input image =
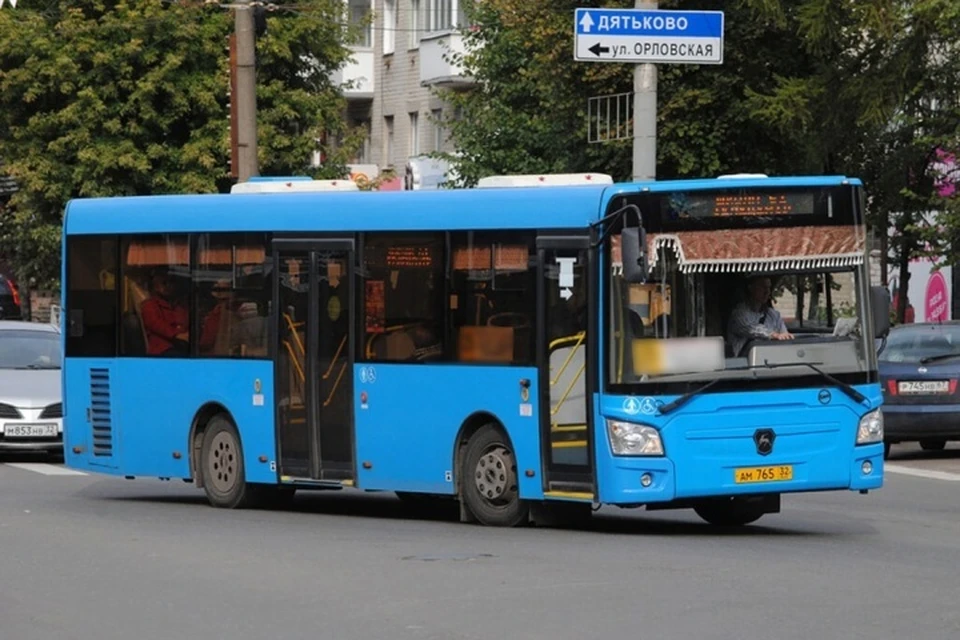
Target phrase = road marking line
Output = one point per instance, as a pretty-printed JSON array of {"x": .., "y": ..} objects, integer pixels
[
  {"x": 45, "y": 469},
  {"x": 922, "y": 473}
]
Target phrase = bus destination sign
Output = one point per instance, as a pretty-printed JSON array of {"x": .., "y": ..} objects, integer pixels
[{"x": 704, "y": 205}]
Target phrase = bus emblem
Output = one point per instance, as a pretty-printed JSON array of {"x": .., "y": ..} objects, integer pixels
[{"x": 764, "y": 440}]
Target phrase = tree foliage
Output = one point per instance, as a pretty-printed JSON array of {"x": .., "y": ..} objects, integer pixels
[
  {"x": 130, "y": 97},
  {"x": 528, "y": 110}
]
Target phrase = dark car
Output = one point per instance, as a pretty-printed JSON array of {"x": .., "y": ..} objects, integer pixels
[
  {"x": 9, "y": 298},
  {"x": 919, "y": 370}
]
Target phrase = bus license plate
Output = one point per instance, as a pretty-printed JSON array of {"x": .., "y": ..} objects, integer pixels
[
  {"x": 777, "y": 473},
  {"x": 30, "y": 430}
]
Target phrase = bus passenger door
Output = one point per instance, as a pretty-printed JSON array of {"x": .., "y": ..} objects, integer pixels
[
  {"x": 313, "y": 296},
  {"x": 565, "y": 351}
]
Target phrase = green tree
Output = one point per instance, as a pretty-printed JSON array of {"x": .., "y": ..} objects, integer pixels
[
  {"x": 129, "y": 97},
  {"x": 885, "y": 95},
  {"x": 528, "y": 109}
]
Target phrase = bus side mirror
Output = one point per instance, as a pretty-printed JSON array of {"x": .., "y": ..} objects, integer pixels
[
  {"x": 880, "y": 305},
  {"x": 633, "y": 250}
]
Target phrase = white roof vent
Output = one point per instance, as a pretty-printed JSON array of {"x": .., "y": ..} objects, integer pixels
[
  {"x": 293, "y": 185},
  {"x": 544, "y": 180},
  {"x": 742, "y": 176}
]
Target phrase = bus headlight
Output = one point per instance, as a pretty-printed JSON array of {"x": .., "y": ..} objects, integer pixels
[
  {"x": 871, "y": 428},
  {"x": 628, "y": 439}
]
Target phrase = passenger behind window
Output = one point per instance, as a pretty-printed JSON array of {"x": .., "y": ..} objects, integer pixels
[
  {"x": 231, "y": 326},
  {"x": 165, "y": 318}
]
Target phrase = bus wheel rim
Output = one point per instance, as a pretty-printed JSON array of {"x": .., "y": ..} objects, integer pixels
[
  {"x": 222, "y": 463},
  {"x": 495, "y": 476}
]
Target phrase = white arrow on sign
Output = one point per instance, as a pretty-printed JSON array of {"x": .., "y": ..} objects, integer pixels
[
  {"x": 566, "y": 294},
  {"x": 586, "y": 22}
]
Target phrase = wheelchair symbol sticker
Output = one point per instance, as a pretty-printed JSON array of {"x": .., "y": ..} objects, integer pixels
[
  {"x": 368, "y": 375},
  {"x": 647, "y": 406}
]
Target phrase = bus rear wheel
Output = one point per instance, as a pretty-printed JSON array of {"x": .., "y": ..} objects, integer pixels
[
  {"x": 221, "y": 463},
  {"x": 731, "y": 512},
  {"x": 488, "y": 480}
]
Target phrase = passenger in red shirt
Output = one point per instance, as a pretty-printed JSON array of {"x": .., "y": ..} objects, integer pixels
[{"x": 165, "y": 320}]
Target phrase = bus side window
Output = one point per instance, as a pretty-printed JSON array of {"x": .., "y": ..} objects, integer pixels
[
  {"x": 403, "y": 306},
  {"x": 493, "y": 296},
  {"x": 91, "y": 296}
]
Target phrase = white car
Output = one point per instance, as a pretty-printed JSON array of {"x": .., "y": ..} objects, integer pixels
[{"x": 31, "y": 409}]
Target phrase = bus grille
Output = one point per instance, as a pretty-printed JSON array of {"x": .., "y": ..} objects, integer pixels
[{"x": 100, "y": 417}]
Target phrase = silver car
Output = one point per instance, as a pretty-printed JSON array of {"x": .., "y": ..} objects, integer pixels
[{"x": 31, "y": 409}]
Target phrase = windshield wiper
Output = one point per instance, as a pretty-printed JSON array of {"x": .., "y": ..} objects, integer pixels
[
  {"x": 37, "y": 366},
  {"x": 685, "y": 398},
  {"x": 937, "y": 358},
  {"x": 843, "y": 386}
]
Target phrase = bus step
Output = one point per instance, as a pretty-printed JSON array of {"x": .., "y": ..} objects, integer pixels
[{"x": 313, "y": 483}]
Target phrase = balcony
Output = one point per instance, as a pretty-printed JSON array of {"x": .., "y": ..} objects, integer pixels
[
  {"x": 435, "y": 68},
  {"x": 357, "y": 74}
]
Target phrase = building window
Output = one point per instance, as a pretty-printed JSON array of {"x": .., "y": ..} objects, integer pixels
[
  {"x": 414, "y": 133},
  {"x": 403, "y": 291},
  {"x": 359, "y": 17},
  {"x": 362, "y": 156},
  {"x": 155, "y": 296},
  {"x": 439, "y": 135},
  {"x": 389, "y": 26},
  {"x": 413, "y": 24},
  {"x": 440, "y": 15},
  {"x": 387, "y": 141},
  {"x": 493, "y": 296},
  {"x": 91, "y": 325},
  {"x": 232, "y": 295}
]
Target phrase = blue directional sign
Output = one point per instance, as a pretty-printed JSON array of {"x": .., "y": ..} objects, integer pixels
[{"x": 638, "y": 36}]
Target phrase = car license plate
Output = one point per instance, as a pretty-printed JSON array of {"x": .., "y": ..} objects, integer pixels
[
  {"x": 777, "y": 473},
  {"x": 920, "y": 387},
  {"x": 30, "y": 430}
]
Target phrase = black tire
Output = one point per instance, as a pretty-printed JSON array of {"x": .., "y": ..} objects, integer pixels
[
  {"x": 886, "y": 450},
  {"x": 932, "y": 444},
  {"x": 730, "y": 512},
  {"x": 221, "y": 463},
  {"x": 488, "y": 480}
]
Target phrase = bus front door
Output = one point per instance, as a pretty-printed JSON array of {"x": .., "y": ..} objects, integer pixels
[
  {"x": 313, "y": 299},
  {"x": 564, "y": 358}
]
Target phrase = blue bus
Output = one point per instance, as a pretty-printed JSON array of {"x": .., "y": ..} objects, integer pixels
[{"x": 531, "y": 349}]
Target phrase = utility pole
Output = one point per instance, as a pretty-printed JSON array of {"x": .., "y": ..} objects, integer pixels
[
  {"x": 245, "y": 94},
  {"x": 645, "y": 115}
]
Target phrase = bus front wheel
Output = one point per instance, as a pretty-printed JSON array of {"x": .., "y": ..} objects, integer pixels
[
  {"x": 488, "y": 480},
  {"x": 732, "y": 512},
  {"x": 221, "y": 462}
]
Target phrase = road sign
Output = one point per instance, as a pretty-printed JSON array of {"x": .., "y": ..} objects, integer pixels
[{"x": 638, "y": 36}]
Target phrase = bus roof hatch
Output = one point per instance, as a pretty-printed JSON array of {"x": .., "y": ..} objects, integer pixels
[
  {"x": 544, "y": 180},
  {"x": 293, "y": 185}
]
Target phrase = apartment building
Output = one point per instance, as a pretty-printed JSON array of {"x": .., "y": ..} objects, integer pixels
[{"x": 398, "y": 64}]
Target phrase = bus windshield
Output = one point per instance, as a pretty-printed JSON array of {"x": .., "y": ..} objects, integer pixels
[{"x": 741, "y": 291}]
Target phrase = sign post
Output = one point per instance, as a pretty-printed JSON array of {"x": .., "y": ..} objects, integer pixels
[{"x": 646, "y": 36}]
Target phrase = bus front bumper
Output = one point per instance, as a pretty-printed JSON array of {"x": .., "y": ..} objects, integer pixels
[{"x": 638, "y": 480}]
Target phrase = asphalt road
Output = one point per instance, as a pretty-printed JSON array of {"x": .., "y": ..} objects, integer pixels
[{"x": 89, "y": 557}]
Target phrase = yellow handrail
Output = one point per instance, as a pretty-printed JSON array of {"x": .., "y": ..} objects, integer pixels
[
  {"x": 336, "y": 385},
  {"x": 579, "y": 340},
  {"x": 293, "y": 358},
  {"x": 560, "y": 402},
  {"x": 396, "y": 327},
  {"x": 293, "y": 330},
  {"x": 336, "y": 357}
]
